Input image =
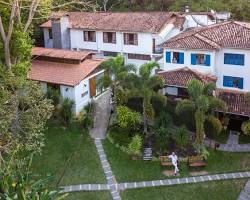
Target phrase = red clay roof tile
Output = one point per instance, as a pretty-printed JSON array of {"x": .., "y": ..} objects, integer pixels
[{"x": 151, "y": 22}]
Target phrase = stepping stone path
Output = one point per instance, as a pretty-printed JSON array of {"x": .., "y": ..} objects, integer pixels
[
  {"x": 147, "y": 154},
  {"x": 115, "y": 187},
  {"x": 245, "y": 193},
  {"x": 112, "y": 185}
]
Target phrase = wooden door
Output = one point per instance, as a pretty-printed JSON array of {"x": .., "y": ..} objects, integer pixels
[{"x": 92, "y": 86}]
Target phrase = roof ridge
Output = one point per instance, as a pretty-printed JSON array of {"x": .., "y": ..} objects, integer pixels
[{"x": 206, "y": 39}]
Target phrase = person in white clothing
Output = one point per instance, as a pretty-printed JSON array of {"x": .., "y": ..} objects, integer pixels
[{"x": 174, "y": 160}]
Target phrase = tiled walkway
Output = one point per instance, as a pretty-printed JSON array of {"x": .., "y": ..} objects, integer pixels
[
  {"x": 114, "y": 187},
  {"x": 245, "y": 193},
  {"x": 232, "y": 144}
]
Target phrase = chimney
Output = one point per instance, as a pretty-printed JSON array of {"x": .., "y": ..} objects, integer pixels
[{"x": 60, "y": 32}]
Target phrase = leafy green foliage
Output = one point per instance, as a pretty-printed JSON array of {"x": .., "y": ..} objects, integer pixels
[
  {"x": 182, "y": 137},
  {"x": 85, "y": 117},
  {"x": 212, "y": 126},
  {"x": 18, "y": 182},
  {"x": 24, "y": 111},
  {"x": 245, "y": 127},
  {"x": 134, "y": 147},
  {"x": 144, "y": 86},
  {"x": 202, "y": 103},
  {"x": 66, "y": 112},
  {"x": 54, "y": 95},
  {"x": 127, "y": 118},
  {"x": 238, "y": 8}
]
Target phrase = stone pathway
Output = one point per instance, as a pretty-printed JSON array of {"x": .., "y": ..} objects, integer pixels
[
  {"x": 114, "y": 187},
  {"x": 101, "y": 115},
  {"x": 232, "y": 144},
  {"x": 245, "y": 193}
]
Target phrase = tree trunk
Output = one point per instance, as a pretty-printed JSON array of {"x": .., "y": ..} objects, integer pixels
[
  {"x": 145, "y": 123},
  {"x": 199, "y": 125},
  {"x": 7, "y": 54}
]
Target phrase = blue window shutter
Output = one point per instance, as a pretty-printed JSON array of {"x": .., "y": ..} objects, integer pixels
[
  {"x": 240, "y": 83},
  {"x": 208, "y": 62},
  {"x": 193, "y": 59},
  {"x": 168, "y": 57},
  {"x": 227, "y": 81},
  {"x": 181, "y": 58},
  {"x": 242, "y": 59}
]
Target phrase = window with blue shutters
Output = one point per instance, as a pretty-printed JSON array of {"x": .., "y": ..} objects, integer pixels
[
  {"x": 234, "y": 59},
  {"x": 177, "y": 57},
  {"x": 200, "y": 59},
  {"x": 235, "y": 82}
]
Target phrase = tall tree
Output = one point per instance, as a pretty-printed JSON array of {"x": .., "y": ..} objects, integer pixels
[
  {"x": 19, "y": 14},
  {"x": 116, "y": 71},
  {"x": 144, "y": 86},
  {"x": 202, "y": 102}
]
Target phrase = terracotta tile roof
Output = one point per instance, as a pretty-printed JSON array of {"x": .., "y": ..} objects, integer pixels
[
  {"x": 229, "y": 34},
  {"x": 151, "y": 22},
  {"x": 235, "y": 100},
  {"x": 181, "y": 77},
  {"x": 62, "y": 73},
  {"x": 60, "y": 53}
]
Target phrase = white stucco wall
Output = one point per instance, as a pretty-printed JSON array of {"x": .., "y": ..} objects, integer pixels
[
  {"x": 233, "y": 70},
  {"x": 48, "y": 43},
  {"x": 217, "y": 68},
  {"x": 187, "y": 61}
]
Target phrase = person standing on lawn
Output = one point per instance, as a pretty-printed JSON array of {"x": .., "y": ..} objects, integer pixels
[{"x": 174, "y": 160}]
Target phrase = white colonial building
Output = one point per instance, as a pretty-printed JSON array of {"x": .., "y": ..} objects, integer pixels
[
  {"x": 135, "y": 35},
  {"x": 75, "y": 74},
  {"x": 217, "y": 53}
]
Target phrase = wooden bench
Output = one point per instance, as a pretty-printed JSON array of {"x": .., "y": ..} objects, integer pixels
[
  {"x": 196, "y": 161},
  {"x": 165, "y": 161}
]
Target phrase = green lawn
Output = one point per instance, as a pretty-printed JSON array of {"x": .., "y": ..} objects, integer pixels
[
  {"x": 70, "y": 157},
  {"x": 102, "y": 195},
  {"x": 244, "y": 139},
  {"x": 220, "y": 190},
  {"x": 127, "y": 170}
]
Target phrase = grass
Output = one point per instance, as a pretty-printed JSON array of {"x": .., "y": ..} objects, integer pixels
[
  {"x": 100, "y": 195},
  {"x": 216, "y": 190},
  {"x": 127, "y": 170},
  {"x": 244, "y": 139},
  {"x": 70, "y": 157}
]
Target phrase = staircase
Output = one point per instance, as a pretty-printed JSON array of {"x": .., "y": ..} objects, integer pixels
[{"x": 147, "y": 154}]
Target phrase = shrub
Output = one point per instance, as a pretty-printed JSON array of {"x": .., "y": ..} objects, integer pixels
[
  {"x": 163, "y": 121},
  {"x": 134, "y": 147},
  {"x": 54, "y": 95},
  {"x": 182, "y": 137},
  {"x": 201, "y": 150},
  {"x": 66, "y": 113},
  {"x": 245, "y": 127},
  {"x": 212, "y": 126},
  {"x": 85, "y": 117},
  {"x": 127, "y": 118}
]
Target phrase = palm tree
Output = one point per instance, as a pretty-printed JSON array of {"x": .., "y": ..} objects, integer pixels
[
  {"x": 144, "y": 86},
  {"x": 202, "y": 103},
  {"x": 115, "y": 71}
]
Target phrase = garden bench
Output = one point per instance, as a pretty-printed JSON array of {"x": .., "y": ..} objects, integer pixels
[
  {"x": 165, "y": 161},
  {"x": 196, "y": 161}
]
